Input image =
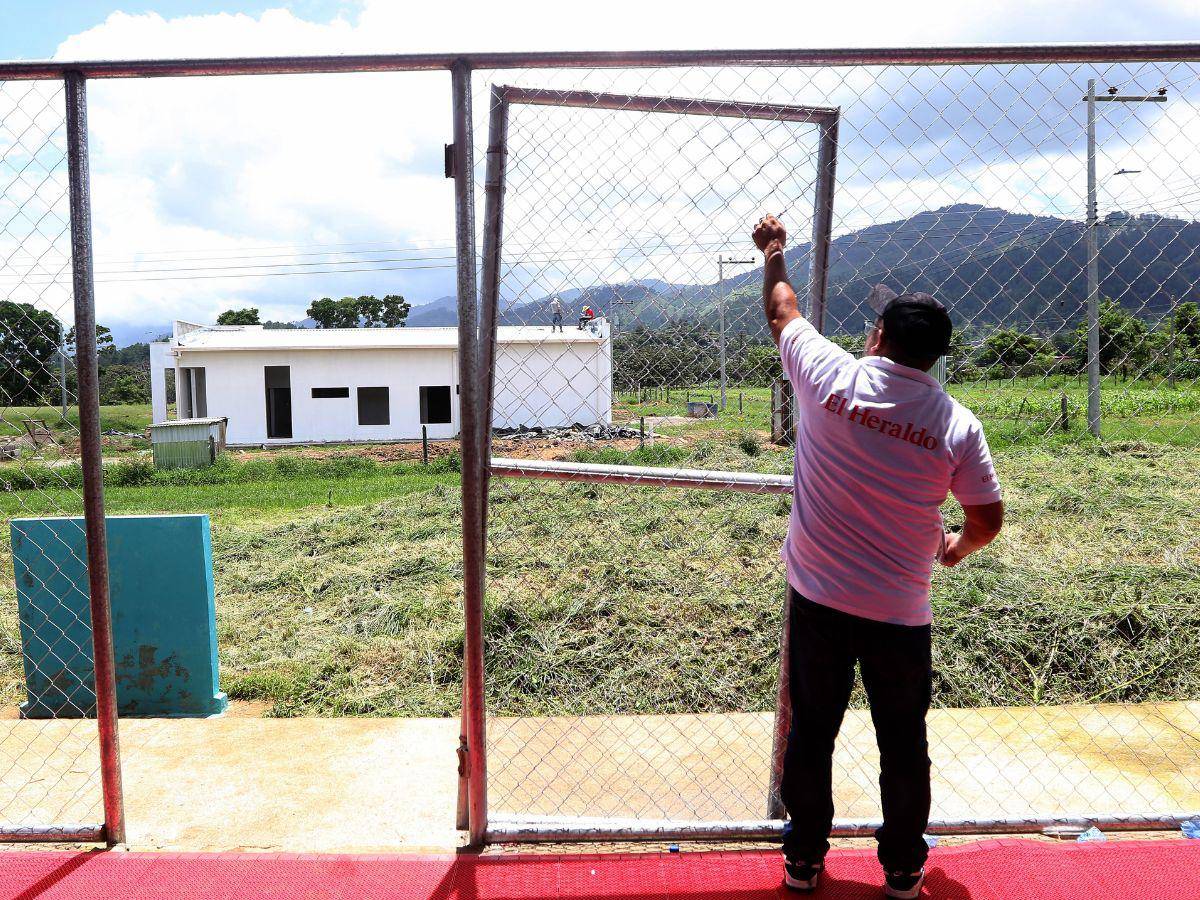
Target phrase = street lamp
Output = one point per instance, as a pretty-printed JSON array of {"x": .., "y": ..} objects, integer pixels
[
  {"x": 722, "y": 262},
  {"x": 1093, "y": 248}
]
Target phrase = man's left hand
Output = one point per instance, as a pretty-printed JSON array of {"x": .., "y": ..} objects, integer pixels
[{"x": 954, "y": 550}]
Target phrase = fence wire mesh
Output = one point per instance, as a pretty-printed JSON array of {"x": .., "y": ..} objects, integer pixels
[
  {"x": 49, "y": 752},
  {"x": 632, "y": 630}
]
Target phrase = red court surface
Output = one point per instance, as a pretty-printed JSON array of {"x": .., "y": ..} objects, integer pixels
[{"x": 989, "y": 870}]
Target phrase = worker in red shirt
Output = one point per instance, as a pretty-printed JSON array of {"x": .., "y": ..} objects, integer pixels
[{"x": 586, "y": 316}]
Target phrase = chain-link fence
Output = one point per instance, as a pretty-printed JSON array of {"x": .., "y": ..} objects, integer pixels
[
  {"x": 634, "y": 593},
  {"x": 49, "y": 742},
  {"x": 632, "y": 628}
]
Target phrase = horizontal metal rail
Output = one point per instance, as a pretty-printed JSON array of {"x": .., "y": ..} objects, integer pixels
[
  {"x": 683, "y": 106},
  {"x": 1182, "y": 51},
  {"x": 646, "y": 476},
  {"x": 58, "y": 834},
  {"x": 530, "y": 829}
]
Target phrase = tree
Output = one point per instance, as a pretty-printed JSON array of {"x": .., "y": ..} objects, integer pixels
[
  {"x": 328, "y": 313},
  {"x": 1185, "y": 324},
  {"x": 1123, "y": 343},
  {"x": 394, "y": 312},
  {"x": 1011, "y": 348},
  {"x": 370, "y": 310},
  {"x": 122, "y": 384},
  {"x": 132, "y": 355},
  {"x": 29, "y": 339},
  {"x": 247, "y": 316},
  {"x": 104, "y": 341},
  {"x": 367, "y": 311}
]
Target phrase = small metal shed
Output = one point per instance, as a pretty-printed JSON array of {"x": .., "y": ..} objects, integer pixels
[{"x": 187, "y": 443}]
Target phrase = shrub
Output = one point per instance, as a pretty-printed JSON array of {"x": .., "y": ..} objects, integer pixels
[
  {"x": 130, "y": 473},
  {"x": 748, "y": 441}
]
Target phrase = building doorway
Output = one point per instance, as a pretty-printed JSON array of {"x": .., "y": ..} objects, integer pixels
[
  {"x": 278, "y": 381},
  {"x": 192, "y": 393}
]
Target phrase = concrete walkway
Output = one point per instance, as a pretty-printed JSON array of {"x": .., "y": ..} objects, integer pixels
[
  {"x": 987, "y": 763},
  {"x": 371, "y": 785}
]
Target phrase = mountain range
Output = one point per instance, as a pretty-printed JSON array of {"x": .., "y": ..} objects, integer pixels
[{"x": 990, "y": 266}]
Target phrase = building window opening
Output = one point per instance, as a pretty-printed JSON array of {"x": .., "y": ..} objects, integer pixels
[
  {"x": 373, "y": 406},
  {"x": 435, "y": 404}
]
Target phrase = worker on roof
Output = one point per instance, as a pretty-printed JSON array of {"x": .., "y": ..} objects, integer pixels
[{"x": 879, "y": 445}]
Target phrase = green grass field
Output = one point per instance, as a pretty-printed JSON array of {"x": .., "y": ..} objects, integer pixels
[
  {"x": 1016, "y": 412},
  {"x": 127, "y": 419},
  {"x": 338, "y": 579},
  {"x": 338, "y": 584}
]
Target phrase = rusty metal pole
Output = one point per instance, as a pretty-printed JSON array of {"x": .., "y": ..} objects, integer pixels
[
  {"x": 89, "y": 450},
  {"x": 472, "y": 416},
  {"x": 822, "y": 236},
  {"x": 783, "y": 715},
  {"x": 493, "y": 238}
]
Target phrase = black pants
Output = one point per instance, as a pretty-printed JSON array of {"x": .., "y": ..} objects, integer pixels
[{"x": 897, "y": 674}]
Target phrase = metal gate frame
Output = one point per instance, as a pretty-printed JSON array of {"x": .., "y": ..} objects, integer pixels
[{"x": 502, "y": 98}]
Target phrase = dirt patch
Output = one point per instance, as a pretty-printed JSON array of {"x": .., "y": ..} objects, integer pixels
[{"x": 549, "y": 448}]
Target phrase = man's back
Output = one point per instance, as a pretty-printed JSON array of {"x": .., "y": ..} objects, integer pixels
[{"x": 878, "y": 447}]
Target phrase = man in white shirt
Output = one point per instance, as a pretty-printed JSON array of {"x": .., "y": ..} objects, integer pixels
[{"x": 879, "y": 445}]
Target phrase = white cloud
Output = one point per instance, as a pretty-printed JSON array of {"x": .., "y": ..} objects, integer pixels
[{"x": 219, "y": 166}]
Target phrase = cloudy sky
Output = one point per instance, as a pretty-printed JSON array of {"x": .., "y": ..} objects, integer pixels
[{"x": 212, "y": 193}]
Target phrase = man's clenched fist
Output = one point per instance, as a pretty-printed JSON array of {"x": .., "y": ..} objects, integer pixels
[{"x": 769, "y": 235}]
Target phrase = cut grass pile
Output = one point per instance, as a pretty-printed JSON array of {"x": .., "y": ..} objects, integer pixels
[{"x": 338, "y": 585}]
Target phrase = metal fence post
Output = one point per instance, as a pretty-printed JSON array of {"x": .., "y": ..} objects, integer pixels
[
  {"x": 493, "y": 237},
  {"x": 823, "y": 220},
  {"x": 86, "y": 363},
  {"x": 472, "y": 413}
]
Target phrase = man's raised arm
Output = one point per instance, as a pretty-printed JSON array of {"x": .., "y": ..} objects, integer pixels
[{"x": 779, "y": 300}]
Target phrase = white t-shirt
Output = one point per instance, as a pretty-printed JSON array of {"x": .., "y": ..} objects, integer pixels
[{"x": 878, "y": 447}]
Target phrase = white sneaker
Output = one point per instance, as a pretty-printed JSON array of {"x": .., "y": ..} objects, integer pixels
[{"x": 904, "y": 885}]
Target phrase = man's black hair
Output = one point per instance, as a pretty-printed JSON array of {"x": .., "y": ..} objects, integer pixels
[{"x": 916, "y": 326}]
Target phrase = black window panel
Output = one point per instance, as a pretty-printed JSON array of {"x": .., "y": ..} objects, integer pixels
[
  {"x": 373, "y": 406},
  {"x": 330, "y": 393},
  {"x": 435, "y": 404}
]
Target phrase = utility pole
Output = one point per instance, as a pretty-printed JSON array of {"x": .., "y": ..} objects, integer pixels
[
  {"x": 1093, "y": 248},
  {"x": 617, "y": 303},
  {"x": 722, "y": 262}
]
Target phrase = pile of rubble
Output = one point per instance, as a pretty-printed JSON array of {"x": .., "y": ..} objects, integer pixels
[{"x": 575, "y": 433}]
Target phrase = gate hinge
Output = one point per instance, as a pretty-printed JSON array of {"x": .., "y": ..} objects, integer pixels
[
  {"x": 449, "y": 160},
  {"x": 462, "y": 757}
]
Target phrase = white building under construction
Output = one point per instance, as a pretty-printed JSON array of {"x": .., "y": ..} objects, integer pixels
[{"x": 317, "y": 385}]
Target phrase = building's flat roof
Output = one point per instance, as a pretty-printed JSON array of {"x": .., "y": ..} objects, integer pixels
[{"x": 255, "y": 337}]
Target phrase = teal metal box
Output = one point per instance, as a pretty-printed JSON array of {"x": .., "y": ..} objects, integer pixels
[{"x": 163, "y": 614}]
